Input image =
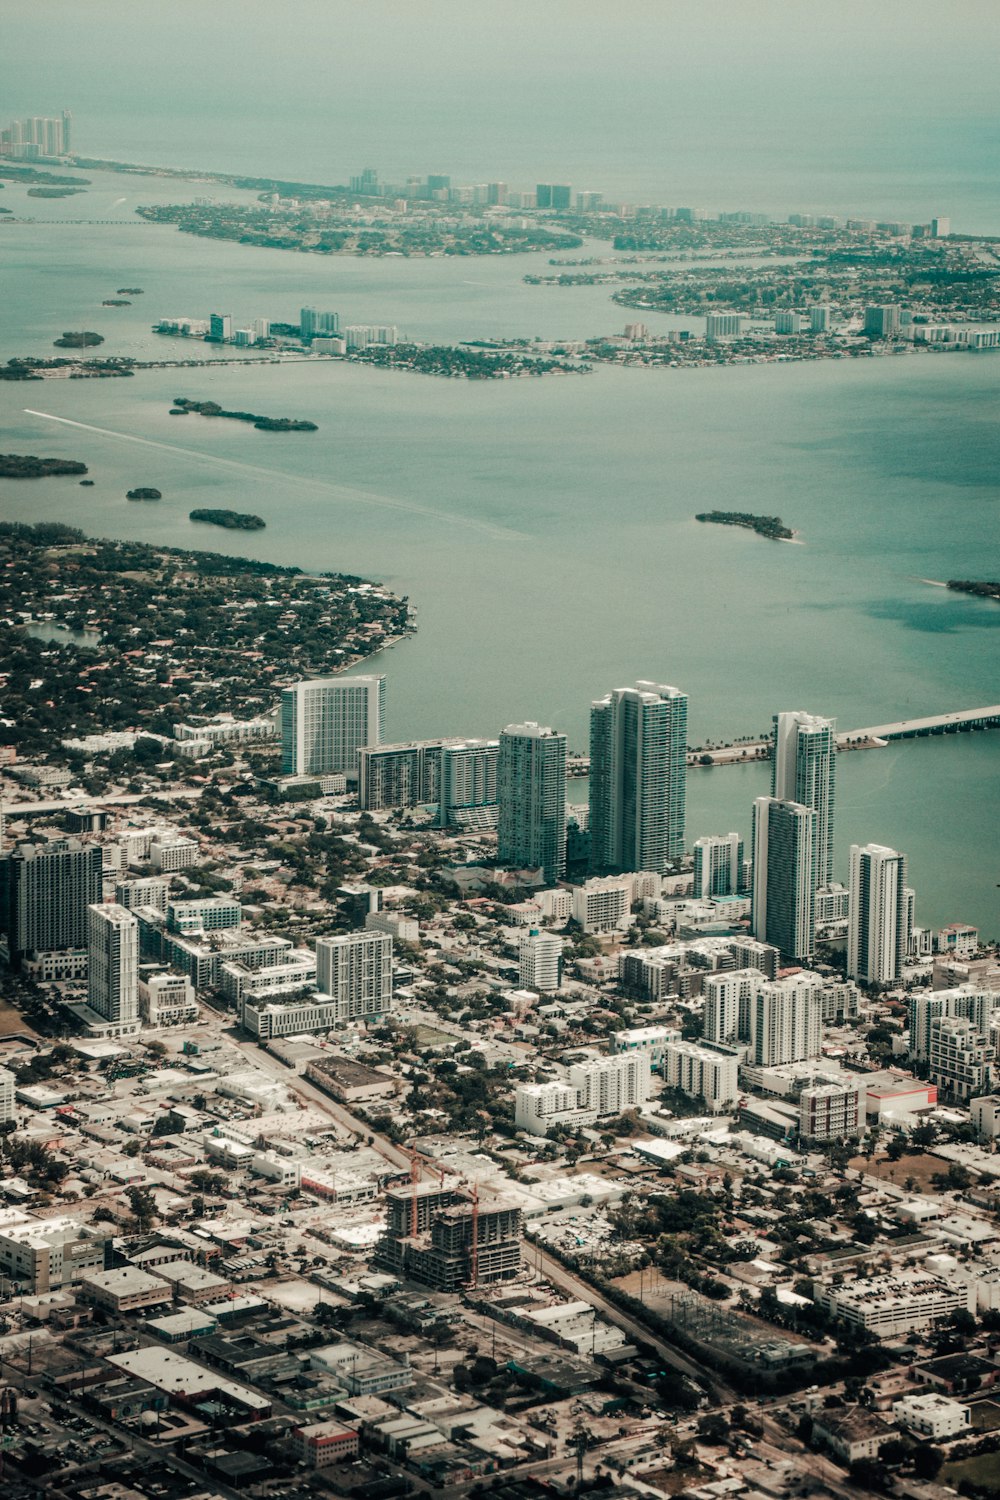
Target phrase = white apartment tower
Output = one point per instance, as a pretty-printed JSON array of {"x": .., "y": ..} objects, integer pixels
[
  {"x": 355, "y": 970},
  {"x": 610, "y": 1085},
  {"x": 531, "y": 788},
  {"x": 540, "y": 959},
  {"x": 787, "y": 1020},
  {"x": 803, "y": 769},
  {"x": 877, "y": 927},
  {"x": 113, "y": 965},
  {"x": 783, "y": 908},
  {"x": 728, "y": 1004},
  {"x": 638, "y": 771},
  {"x": 326, "y": 720},
  {"x": 718, "y": 866}
]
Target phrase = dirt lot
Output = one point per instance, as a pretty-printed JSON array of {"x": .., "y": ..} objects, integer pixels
[
  {"x": 11, "y": 1020},
  {"x": 921, "y": 1168}
]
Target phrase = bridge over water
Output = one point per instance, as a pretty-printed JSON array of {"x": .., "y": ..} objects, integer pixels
[{"x": 906, "y": 729}]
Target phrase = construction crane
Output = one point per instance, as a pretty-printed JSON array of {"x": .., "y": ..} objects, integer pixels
[{"x": 474, "y": 1276}]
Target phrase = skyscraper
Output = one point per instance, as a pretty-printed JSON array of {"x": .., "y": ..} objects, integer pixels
[
  {"x": 638, "y": 777},
  {"x": 531, "y": 826},
  {"x": 718, "y": 866},
  {"x": 877, "y": 920},
  {"x": 803, "y": 769},
  {"x": 784, "y": 890},
  {"x": 540, "y": 957},
  {"x": 47, "y": 891},
  {"x": 326, "y": 720},
  {"x": 113, "y": 965}
]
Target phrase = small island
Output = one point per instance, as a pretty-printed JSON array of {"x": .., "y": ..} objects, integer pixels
[
  {"x": 54, "y": 192},
  {"x": 143, "y": 494},
  {"x": 182, "y": 406},
  {"x": 79, "y": 341},
  {"x": 130, "y": 291},
  {"x": 769, "y": 526},
  {"x": 980, "y": 588},
  {"x": 116, "y": 302},
  {"x": 232, "y": 520},
  {"x": 87, "y": 484},
  {"x": 27, "y": 466}
]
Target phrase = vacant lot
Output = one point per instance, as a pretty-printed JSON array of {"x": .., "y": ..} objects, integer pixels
[
  {"x": 983, "y": 1470},
  {"x": 918, "y": 1169},
  {"x": 985, "y": 1416},
  {"x": 11, "y": 1020}
]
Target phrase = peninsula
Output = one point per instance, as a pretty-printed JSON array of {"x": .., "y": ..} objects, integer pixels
[
  {"x": 769, "y": 526},
  {"x": 232, "y": 520},
  {"x": 263, "y": 424}
]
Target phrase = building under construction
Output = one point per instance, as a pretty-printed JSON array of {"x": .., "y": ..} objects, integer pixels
[{"x": 450, "y": 1238}]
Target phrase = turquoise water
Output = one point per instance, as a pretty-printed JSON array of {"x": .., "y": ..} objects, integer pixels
[{"x": 545, "y": 529}]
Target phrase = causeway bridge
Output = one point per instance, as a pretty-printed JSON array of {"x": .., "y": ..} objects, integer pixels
[{"x": 908, "y": 729}]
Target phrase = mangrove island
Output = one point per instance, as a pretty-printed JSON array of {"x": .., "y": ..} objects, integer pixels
[{"x": 769, "y": 526}]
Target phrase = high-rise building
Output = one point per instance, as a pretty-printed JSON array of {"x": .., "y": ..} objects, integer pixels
[
  {"x": 882, "y": 322},
  {"x": 702, "y": 1072},
  {"x": 356, "y": 971},
  {"x": 723, "y": 325},
  {"x": 787, "y": 1020},
  {"x": 47, "y": 890},
  {"x": 819, "y": 318},
  {"x": 832, "y": 1109},
  {"x": 609, "y": 1085},
  {"x": 877, "y": 929},
  {"x": 638, "y": 778},
  {"x": 326, "y": 720},
  {"x": 220, "y": 328},
  {"x": 959, "y": 1061},
  {"x": 113, "y": 965},
  {"x": 803, "y": 769},
  {"x": 728, "y": 1003},
  {"x": 450, "y": 1238},
  {"x": 543, "y": 195},
  {"x": 460, "y": 776},
  {"x": 531, "y": 826},
  {"x": 783, "y": 908},
  {"x": 540, "y": 961},
  {"x": 313, "y": 323},
  {"x": 718, "y": 866},
  {"x": 6, "y": 1096}
]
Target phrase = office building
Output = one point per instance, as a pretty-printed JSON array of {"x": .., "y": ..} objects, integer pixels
[
  {"x": 784, "y": 877},
  {"x": 47, "y": 891},
  {"x": 728, "y": 1003},
  {"x": 803, "y": 769},
  {"x": 877, "y": 926},
  {"x": 718, "y": 866},
  {"x": 882, "y": 322},
  {"x": 43, "y": 1255},
  {"x": 786, "y": 1020},
  {"x": 540, "y": 961},
  {"x": 113, "y": 965},
  {"x": 167, "y": 999},
  {"x": 355, "y": 970},
  {"x": 832, "y": 1109},
  {"x": 960, "y": 1061},
  {"x": 531, "y": 790},
  {"x": 703, "y": 1072},
  {"x": 638, "y": 778},
  {"x": 450, "y": 1238},
  {"x": 325, "y": 721}
]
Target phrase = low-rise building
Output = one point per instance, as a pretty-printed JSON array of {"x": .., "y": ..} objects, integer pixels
[
  {"x": 889, "y": 1306},
  {"x": 325, "y": 1443},
  {"x": 45, "y": 1254},
  {"x": 125, "y": 1289},
  {"x": 932, "y": 1416},
  {"x": 167, "y": 999}
]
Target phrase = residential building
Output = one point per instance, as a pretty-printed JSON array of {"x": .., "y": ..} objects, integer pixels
[
  {"x": 167, "y": 1000},
  {"x": 539, "y": 1106},
  {"x": 540, "y": 956},
  {"x": 220, "y": 328},
  {"x": 450, "y": 1238},
  {"x": 984, "y": 1112},
  {"x": 723, "y": 325},
  {"x": 325, "y": 721},
  {"x": 603, "y": 905},
  {"x": 958, "y": 939},
  {"x": 638, "y": 771},
  {"x": 610, "y": 1085},
  {"x": 749, "y": 953},
  {"x": 784, "y": 883},
  {"x": 877, "y": 928},
  {"x": 459, "y": 776},
  {"x": 882, "y": 322},
  {"x": 787, "y": 1020},
  {"x": 113, "y": 966},
  {"x": 355, "y": 970},
  {"x": 48, "y": 888},
  {"x": 702, "y": 1071},
  {"x": 832, "y": 1109},
  {"x": 960, "y": 1061},
  {"x": 649, "y": 1039},
  {"x": 293, "y": 973},
  {"x": 170, "y": 852},
  {"x": 718, "y": 866},
  {"x": 819, "y": 318},
  {"x": 728, "y": 1001},
  {"x": 7, "y": 1082},
  {"x": 833, "y": 903},
  {"x": 787, "y": 321},
  {"x": 204, "y": 914},
  {"x": 803, "y": 770},
  {"x": 531, "y": 827}
]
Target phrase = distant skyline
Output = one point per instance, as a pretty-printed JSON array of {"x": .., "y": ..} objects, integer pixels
[{"x": 763, "y": 104}]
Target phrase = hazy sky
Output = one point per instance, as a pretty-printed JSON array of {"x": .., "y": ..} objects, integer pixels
[{"x": 644, "y": 90}]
